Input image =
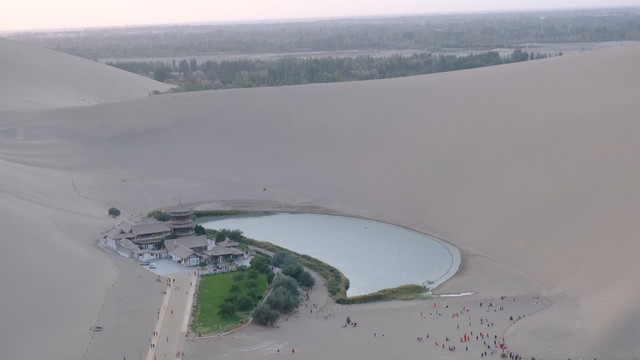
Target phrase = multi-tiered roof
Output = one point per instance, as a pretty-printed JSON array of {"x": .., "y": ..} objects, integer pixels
[{"x": 181, "y": 220}]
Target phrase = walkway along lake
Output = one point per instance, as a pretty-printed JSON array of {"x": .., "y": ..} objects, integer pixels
[{"x": 372, "y": 254}]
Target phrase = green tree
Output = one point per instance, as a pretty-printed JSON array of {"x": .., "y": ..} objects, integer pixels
[
  {"x": 162, "y": 73},
  {"x": 231, "y": 234},
  {"x": 260, "y": 263},
  {"x": 226, "y": 310},
  {"x": 286, "y": 282},
  {"x": 264, "y": 315},
  {"x": 281, "y": 259},
  {"x": 293, "y": 270},
  {"x": 245, "y": 303},
  {"x": 252, "y": 274},
  {"x": 231, "y": 299},
  {"x": 113, "y": 212},
  {"x": 306, "y": 280},
  {"x": 282, "y": 300},
  {"x": 159, "y": 215},
  {"x": 183, "y": 65},
  {"x": 199, "y": 230}
]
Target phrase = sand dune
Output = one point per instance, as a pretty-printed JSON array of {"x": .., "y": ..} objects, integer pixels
[
  {"x": 529, "y": 168},
  {"x": 36, "y": 78}
]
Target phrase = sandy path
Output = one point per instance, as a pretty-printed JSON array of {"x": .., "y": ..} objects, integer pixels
[{"x": 173, "y": 317}]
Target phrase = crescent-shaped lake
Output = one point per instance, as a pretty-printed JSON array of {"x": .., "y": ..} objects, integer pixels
[{"x": 372, "y": 254}]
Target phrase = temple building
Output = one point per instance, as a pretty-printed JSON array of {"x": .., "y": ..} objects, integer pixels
[
  {"x": 188, "y": 250},
  {"x": 224, "y": 251},
  {"x": 140, "y": 236},
  {"x": 181, "y": 220},
  {"x": 146, "y": 239}
]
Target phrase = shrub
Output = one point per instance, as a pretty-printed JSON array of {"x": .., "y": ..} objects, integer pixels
[
  {"x": 252, "y": 274},
  {"x": 226, "y": 310},
  {"x": 204, "y": 213},
  {"x": 159, "y": 215},
  {"x": 245, "y": 303},
  {"x": 282, "y": 300},
  {"x": 281, "y": 259},
  {"x": 264, "y": 315},
  {"x": 261, "y": 264},
  {"x": 234, "y": 235},
  {"x": 306, "y": 280},
  {"x": 293, "y": 270},
  {"x": 199, "y": 230},
  {"x": 113, "y": 212},
  {"x": 296, "y": 271},
  {"x": 254, "y": 296},
  {"x": 285, "y": 282},
  {"x": 404, "y": 292},
  {"x": 231, "y": 299}
]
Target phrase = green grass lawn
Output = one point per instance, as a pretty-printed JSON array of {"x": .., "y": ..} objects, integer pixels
[{"x": 213, "y": 290}]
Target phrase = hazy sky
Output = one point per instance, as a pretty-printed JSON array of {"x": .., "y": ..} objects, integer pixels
[{"x": 47, "y": 14}]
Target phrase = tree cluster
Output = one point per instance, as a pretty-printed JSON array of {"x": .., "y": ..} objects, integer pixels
[
  {"x": 283, "y": 299},
  {"x": 209, "y": 75},
  {"x": 242, "y": 295},
  {"x": 220, "y": 235},
  {"x": 291, "y": 267},
  {"x": 159, "y": 215}
]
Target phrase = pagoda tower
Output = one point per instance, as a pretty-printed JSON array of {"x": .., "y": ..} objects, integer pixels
[{"x": 181, "y": 220}]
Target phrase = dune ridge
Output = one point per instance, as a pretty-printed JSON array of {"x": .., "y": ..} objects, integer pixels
[
  {"x": 528, "y": 168},
  {"x": 38, "y": 78}
]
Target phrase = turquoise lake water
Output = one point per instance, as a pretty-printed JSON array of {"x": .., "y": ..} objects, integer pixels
[{"x": 372, "y": 254}]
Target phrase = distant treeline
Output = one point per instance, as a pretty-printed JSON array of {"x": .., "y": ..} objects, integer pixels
[
  {"x": 423, "y": 33},
  {"x": 209, "y": 75}
]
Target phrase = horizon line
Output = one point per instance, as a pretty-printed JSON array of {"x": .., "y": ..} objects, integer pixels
[{"x": 308, "y": 19}]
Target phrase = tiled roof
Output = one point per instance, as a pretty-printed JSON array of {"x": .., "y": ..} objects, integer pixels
[
  {"x": 181, "y": 251},
  {"x": 150, "y": 228},
  {"x": 192, "y": 241},
  {"x": 138, "y": 226},
  {"x": 180, "y": 208},
  {"x": 222, "y": 251},
  {"x": 228, "y": 243},
  {"x": 187, "y": 241}
]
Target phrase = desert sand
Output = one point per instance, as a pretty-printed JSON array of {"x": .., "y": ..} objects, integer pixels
[
  {"x": 528, "y": 168},
  {"x": 35, "y": 78}
]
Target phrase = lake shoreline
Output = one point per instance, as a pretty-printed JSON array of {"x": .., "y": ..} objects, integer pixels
[{"x": 440, "y": 272}]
